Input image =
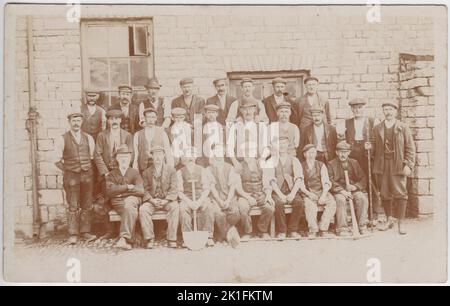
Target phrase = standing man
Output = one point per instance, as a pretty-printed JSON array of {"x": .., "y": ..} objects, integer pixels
[
  {"x": 315, "y": 191},
  {"x": 322, "y": 135},
  {"x": 130, "y": 111},
  {"x": 125, "y": 187},
  {"x": 74, "y": 154},
  {"x": 247, "y": 93},
  {"x": 156, "y": 102},
  {"x": 222, "y": 99},
  {"x": 356, "y": 191},
  {"x": 94, "y": 116},
  {"x": 394, "y": 158},
  {"x": 161, "y": 193},
  {"x": 272, "y": 102},
  {"x": 284, "y": 128},
  {"x": 310, "y": 99},
  {"x": 152, "y": 135},
  {"x": 285, "y": 180},
  {"x": 192, "y": 103}
]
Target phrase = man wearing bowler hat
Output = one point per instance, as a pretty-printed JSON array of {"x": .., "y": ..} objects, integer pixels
[
  {"x": 356, "y": 191},
  {"x": 222, "y": 99},
  {"x": 310, "y": 99},
  {"x": 156, "y": 102},
  {"x": 94, "y": 116},
  {"x": 74, "y": 154},
  {"x": 130, "y": 111},
  {"x": 192, "y": 103},
  {"x": 394, "y": 158},
  {"x": 322, "y": 135},
  {"x": 272, "y": 102}
]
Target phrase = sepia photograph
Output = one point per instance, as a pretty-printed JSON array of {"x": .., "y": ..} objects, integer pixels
[{"x": 225, "y": 143}]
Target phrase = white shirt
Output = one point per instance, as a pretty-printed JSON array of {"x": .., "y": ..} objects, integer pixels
[
  {"x": 279, "y": 99},
  {"x": 359, "y": 126},
  {"x": 318, "y": 132},
  {"x": 91, "y": 109},
  {"x": 222, "y": 100},
  {"x": 311, "y": 99},
  {"x": 114, "y": 138}
]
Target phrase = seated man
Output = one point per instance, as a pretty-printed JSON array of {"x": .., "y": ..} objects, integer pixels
[
  {"x": 253, "y": 192},
  {"x": 223, "y": 196},
  {"x": 285, "y": 179},
  {"x": 194, "y": 178},
  {"x": 355, "y": 192},
  {"x": 125, "y": 188},
  {"x": 315, "y": 192},
  {"x": 161, "y": 193}
]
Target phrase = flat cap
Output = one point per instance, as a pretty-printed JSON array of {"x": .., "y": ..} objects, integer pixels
[
  {"x": 74, "y": 115},
  {"x": 186, "y": 81},
  {"x": 211, "y": 107},
  {"x": 317, "y": 109},
  {"x": 310, "y": 78},
  {"x": 308, "y": 147},
  {"x": 157, "y": 149},
  {"x": 125, "y": 87},
  {"x": 284, "y": 105},
  {"x": 122, "y": 149},
  {"x": 149, "y": 110},
  {"x": 278, "y": 80},
  {"x": 343, "y": 146},
  {"x": 218, "y": 80},
  {"x": 392, "y": 103},
  {"x": 91, "y": 90},
  {"x": 116, "y": 113},
  {"x": 178, "y": 111},
  {"x": 153, "y": 83},
  {"x": 245, "y": 80},
  {"x": 357, "y": 101},
  {"x": 248, "y": 102}
]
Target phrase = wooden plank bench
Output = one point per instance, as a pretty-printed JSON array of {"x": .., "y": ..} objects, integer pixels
[{"x": 254, "y": 211}]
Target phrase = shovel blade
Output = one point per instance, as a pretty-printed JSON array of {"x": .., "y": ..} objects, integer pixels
[{"x": 195, "y": 240}]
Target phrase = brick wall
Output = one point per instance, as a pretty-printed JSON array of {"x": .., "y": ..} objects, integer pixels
[{"x": 350, "y": 56}]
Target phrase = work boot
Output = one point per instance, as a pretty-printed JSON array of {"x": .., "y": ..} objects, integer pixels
[
  {"x": 401, "y": 227},
  {"x": 363, "y": 231},
  {"x": 344, "y": 233},
  {"x": 312, "y": 234},
  {"x": 281, "y": 236},
  {"x": 172, "y": 244},
  {"x": 88, "y": 237},
  {"x": 123, "y": 244},
  {"x": 233, "y": 237},
  {"x": 327, "y": 234},
  {"x": 295, "y": 235},
  {"x": 210, "y": 242},
  {"x": 265, "y": 236},
  {"x": 245, "y": 238},
  {"x": 386, "y": 225},
  {"x": 73, "y": 239},
  {"x": 73, "y": 222},
  {"x": 150, "y": 244}
]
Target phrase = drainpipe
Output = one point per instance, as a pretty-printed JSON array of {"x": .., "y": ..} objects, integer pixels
[{"x": 31, "y": 123}]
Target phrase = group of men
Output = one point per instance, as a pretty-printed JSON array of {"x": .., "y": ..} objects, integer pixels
[{"x": 139, "y": 158}]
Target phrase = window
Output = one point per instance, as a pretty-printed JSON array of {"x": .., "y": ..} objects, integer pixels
[
  {"x": 263, "y": 82},
  {"x": 116, "y": 52}
]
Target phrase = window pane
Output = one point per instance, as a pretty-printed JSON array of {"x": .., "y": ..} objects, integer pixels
[
  {"x": 118, "y": 41},
  {"x": 139, "y": 71},
  {"x": 98, "y": 72},
  {"x": 258, "y": 91},
  {"x": 291, "y": 88},
  {"x": 119, "y": 72},
  {"x": 140, "y": 40},
  {"x": 97, "y": 41}
]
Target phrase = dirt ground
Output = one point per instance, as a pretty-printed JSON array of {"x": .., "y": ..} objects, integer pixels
[{"x": 419, "y": 256}]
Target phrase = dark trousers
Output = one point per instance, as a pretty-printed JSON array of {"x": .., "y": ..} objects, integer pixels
[
  {"x": 280, "y": 217},
  {"x": 79, "y": 188}
]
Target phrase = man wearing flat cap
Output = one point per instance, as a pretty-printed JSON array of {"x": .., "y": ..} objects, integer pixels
[
  {"x": 156, "y": 102},
  {"x": 222, "y": 99},
  {"x": 125, "y": 187},
  {"x": 277, "y": 98},
  {"x": 356, "y": 190},
  {"x": 74, "y": 153},
  {"x": 94, "y": 116},
  {"x": 310, "y": 99},
  {"x": 247, "y": 93},
  {"x": 130, "y": 111},
  {"x": 358, "y": 133},
  {"x": 394, "y": 156},
  {"x": 192, "y": 103},
  {"x": 284, "y": 128},
  {"x": 161, "y": 193},
  {"x": 322, "y": 135},
  {"x": 152, "y": 135}
]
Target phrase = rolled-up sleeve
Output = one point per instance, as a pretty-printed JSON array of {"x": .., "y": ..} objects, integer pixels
[
  {"x": 297, "y": 169},
  {"x": 91, "y": 146},
  {"x": 325, "y": 178}
]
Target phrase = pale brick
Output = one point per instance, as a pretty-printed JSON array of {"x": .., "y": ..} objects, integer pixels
[
  {"x": 45, "y": 145},
  {"x": 424, "y": 146},
  {"x": 422, "y": 133},
  {"x": 50, "y": 197},
  {"x": 425, "y": 204},
  {"x": 48, "y": 168},
  {"x": 51, "y": 181}
]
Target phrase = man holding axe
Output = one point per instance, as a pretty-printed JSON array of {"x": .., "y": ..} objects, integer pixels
[
  {"x": 193, "y": 180},
  {"x": 348, "y": 184}
]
